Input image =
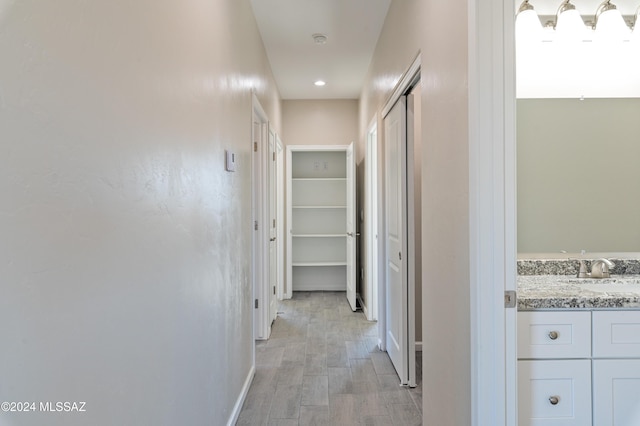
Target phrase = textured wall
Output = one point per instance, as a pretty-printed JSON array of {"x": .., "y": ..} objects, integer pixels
[
  {"x": 439, "y": 31},
  {"x": 124, "y": 276}
]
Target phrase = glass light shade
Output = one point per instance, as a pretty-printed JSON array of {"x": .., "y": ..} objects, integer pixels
[
  {"x": 611, "y": 26},
  {"x": 528, "y": 26},
  {"x": 570, "y": 26}
]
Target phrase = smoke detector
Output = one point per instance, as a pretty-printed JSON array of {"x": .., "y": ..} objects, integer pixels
[{"x": 319, "y": 38}]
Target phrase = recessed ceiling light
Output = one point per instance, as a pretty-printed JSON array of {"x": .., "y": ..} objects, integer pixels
[
  {"x": 319, "y": 38},
  {"x": 320, "y": 83}
]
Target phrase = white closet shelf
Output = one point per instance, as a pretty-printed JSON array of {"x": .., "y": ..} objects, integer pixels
[
  {"x": 319, "y": 207},
  {"x": 319, "y": 235},
  {"x": 319, "y": 264}
]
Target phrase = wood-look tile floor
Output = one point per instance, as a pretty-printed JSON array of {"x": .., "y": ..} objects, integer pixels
[{"x": 322, "y": 366}]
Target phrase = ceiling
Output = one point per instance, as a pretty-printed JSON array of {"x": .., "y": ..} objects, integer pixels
[{"x": 352, "y": 28}]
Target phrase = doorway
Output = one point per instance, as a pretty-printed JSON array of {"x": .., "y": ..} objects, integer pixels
[{"x": 400, "y": 257}]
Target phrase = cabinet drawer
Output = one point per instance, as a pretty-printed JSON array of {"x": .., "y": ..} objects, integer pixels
[
  {"x": 616, "y": 334},
  {"x": 554, "y": 393},
  {"x": 554, "y": 335}
]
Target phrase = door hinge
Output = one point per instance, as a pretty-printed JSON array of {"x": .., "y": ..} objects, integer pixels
[
  {"x": 274, "y": 156},
  {"x": 255, "y": 225},
  {"x": 255, "y": 147},
  {"x": 274, "y": 223},
  {"x": 510, "y": 299},
  {"x": 274, "y": 289},
  {"x": 256, "y": 303}
]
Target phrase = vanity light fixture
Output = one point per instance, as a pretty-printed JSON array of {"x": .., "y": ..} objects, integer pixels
[
  {"x": 609, "y": 21},
  {"x": 527, "y": 20},
  {"x": 635, "y": 23},
  {"x": 569, "y": 23}
]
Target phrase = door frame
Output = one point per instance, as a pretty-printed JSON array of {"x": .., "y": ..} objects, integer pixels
[
  {"x": 272, "y": 224},
  {"x": 408, "y": 80},
  {"x": 259, "y": 220},
  {"x": 290, "y": 149},
  {"x": 492, "y": 210},
  {"x": 372, "y": 232},
  {"x": 280, "y": 216}
]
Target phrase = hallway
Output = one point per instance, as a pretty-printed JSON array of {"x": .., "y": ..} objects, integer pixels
[{"x": 322, "y": 366}]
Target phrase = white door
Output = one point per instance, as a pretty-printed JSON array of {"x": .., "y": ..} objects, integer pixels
[
  {"x": 351, "y": 227},
  {"x": 395, "y": 125},
  {"x": 273, "y": 231}
]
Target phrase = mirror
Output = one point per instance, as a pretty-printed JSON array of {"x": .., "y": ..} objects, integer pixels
[
  {"x": 578, "y": 175},
  {"x": 578, "y": 137}
]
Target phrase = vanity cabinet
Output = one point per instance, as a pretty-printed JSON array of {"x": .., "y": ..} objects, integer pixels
[
  {"x": 579, "y": 368},
  {"x": 554, "y": 368}
]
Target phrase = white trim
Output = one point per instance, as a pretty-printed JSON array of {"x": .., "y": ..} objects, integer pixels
[
  {"x": 260, "y": 213},
  {"x": 408, "y": 79},
  {"x": 280, "y": 217},
  {"x": 404, "y": 85},
  {"x": 492, "y": 233},
  {"x": 290, "y": 149},
  {"x": 237, "y": 408},
  {"x": 372, "y": 226}
]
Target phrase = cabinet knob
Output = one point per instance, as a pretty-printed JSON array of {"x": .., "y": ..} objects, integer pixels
[
  {"x": 553, "y": 335},
  {"x": 554, "y": 400}
]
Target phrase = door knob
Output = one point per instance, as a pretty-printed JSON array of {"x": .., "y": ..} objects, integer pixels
[
  {"x": 272, "y": 239},
  {"x": 554, "y": 400},
  {"x": 553, "y": 335},
  {"x": 349, "y": 234}
]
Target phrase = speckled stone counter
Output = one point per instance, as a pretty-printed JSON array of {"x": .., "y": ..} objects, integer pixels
[{"x": 567, "y": 292}]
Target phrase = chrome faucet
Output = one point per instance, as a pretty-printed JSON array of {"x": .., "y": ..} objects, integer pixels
[
  {"x": 582, "y": 273},
  {"x": 600, "y": 268}
]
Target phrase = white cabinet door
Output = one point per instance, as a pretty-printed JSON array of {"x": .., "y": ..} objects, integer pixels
[
  {"x": 554, "y": 393},
  {"x": 616, "y": 392}
]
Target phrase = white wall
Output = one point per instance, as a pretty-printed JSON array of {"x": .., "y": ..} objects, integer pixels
[
  {"x": 125, "y": 278},
  {"x": 319, "y": 122},
  {"x": 439, "y": 31}
]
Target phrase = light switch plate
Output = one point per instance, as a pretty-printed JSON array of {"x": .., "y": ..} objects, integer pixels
[{"x": 230, "y": 163}]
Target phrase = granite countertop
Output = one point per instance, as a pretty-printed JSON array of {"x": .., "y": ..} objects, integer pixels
[{"x": 569, "y": 292}]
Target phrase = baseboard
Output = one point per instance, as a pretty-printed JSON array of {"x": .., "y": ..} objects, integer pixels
[
  {"x": 418, "y": 346},
  {"x": 243, "y": 394},
  {"x": 322, "y": 287}
]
